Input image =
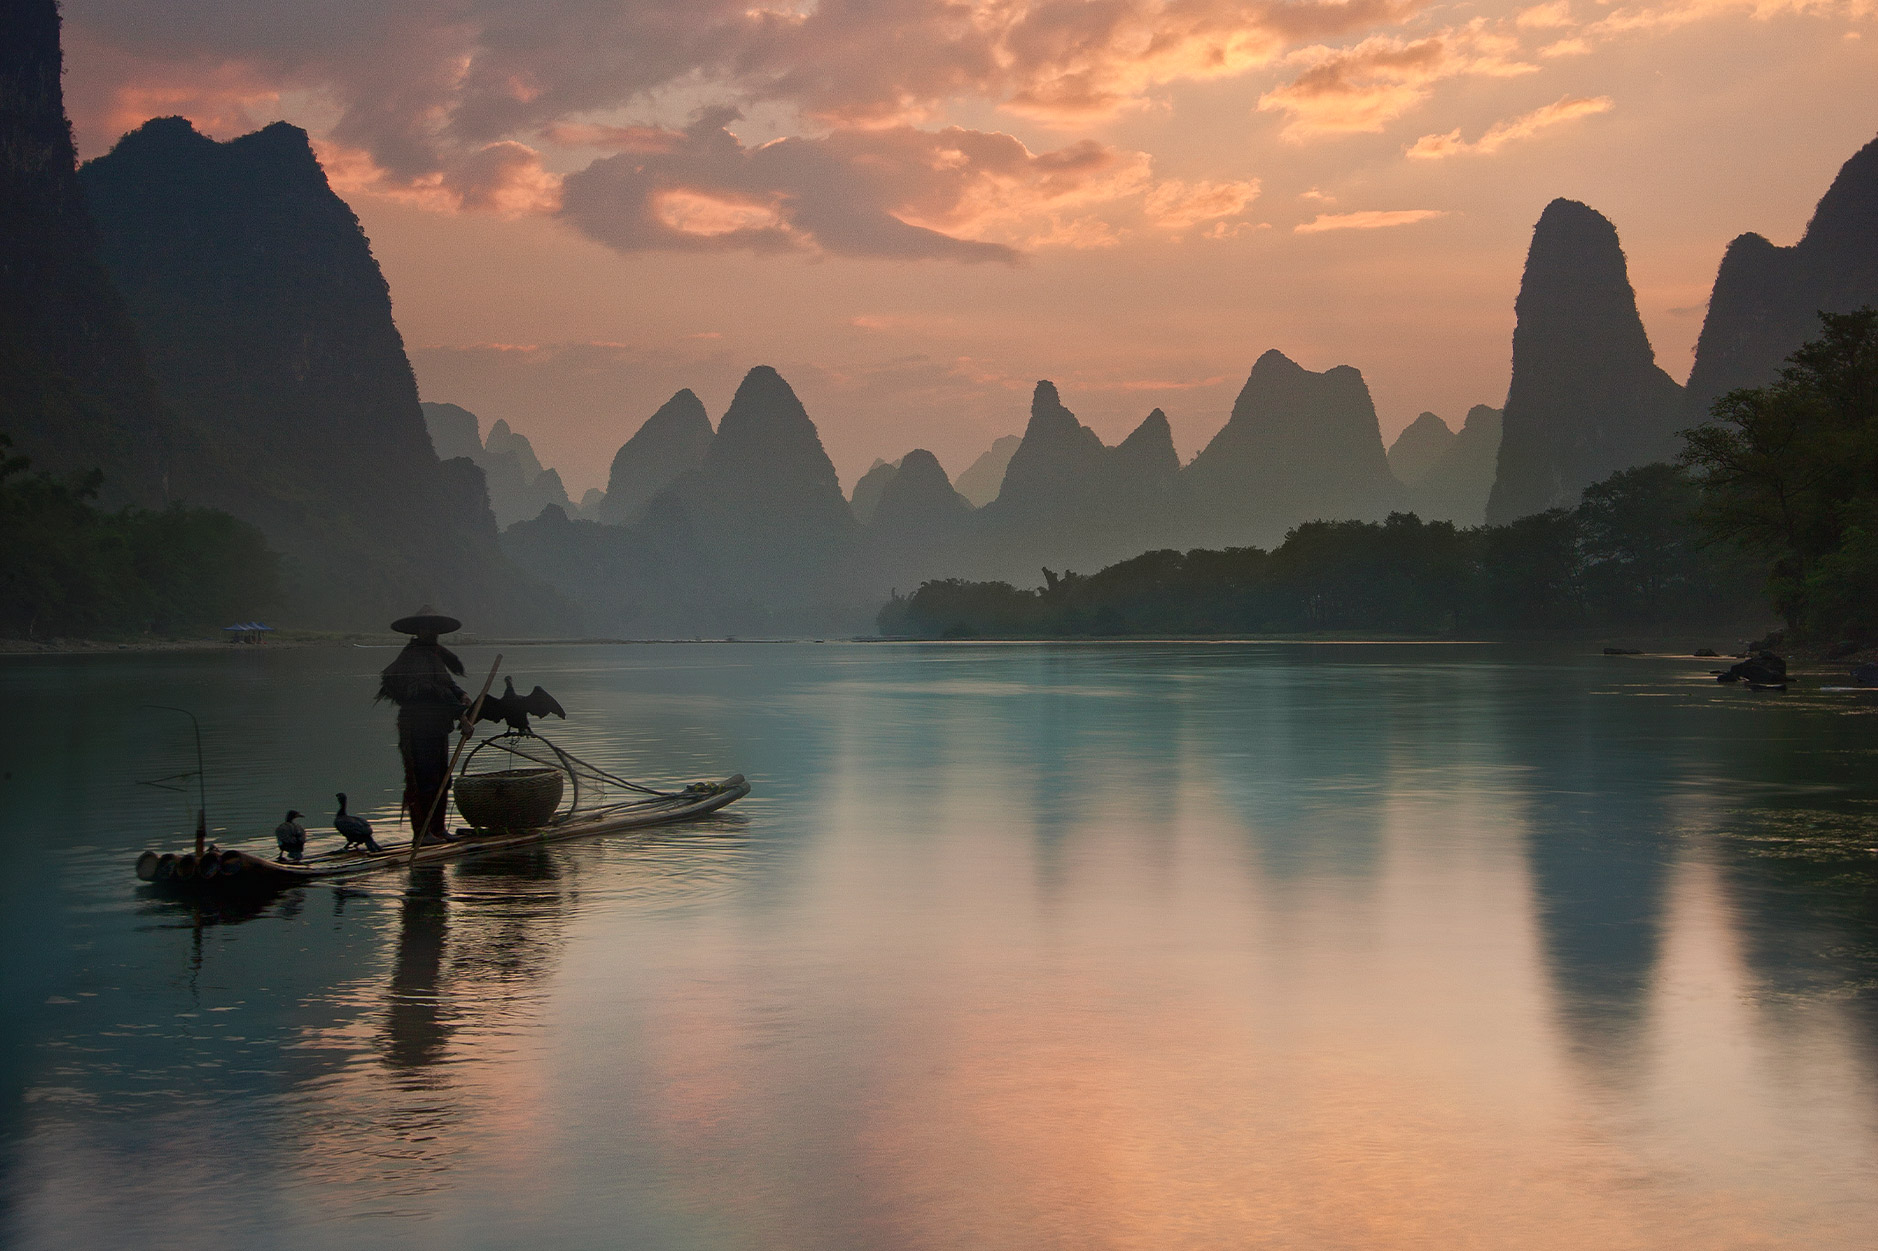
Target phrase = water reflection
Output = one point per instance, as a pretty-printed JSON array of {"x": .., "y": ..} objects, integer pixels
[
  {"x": 1148, "y": 945},
  {"x": 415, "y": 1033}
]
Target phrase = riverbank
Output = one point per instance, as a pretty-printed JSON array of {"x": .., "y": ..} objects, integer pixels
[{"x": 1810, "y": 659}]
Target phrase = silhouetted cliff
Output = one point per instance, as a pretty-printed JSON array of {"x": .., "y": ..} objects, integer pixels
[
  {"x": 1767, "y": 299},
  {"x": 1456, "y": 486},
  {"x": 671, "y": 443},
  {"x": 984, "y": 477},
  {"x": 268, "y": 329},
  {"x": 74, "y": 392},
  {"x": 1299, "y": 446},
  {"x": 1586, "y": 398}
]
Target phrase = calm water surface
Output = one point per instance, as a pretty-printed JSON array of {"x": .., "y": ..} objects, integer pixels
[{"x": 1149, "y": 946}]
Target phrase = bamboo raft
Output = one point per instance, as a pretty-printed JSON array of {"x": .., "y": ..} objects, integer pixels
[{"x": 220, "y": 868}]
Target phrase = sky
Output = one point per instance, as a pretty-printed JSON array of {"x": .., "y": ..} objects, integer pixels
[{"x": 915, "y": 209}]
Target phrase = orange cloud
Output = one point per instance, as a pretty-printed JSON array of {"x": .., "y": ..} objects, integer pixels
[
  {"x": 952, "y": 194},
  {"x": 1177, "y": 205},
  {"x": 414, "y": 84},
  {"x": 505, "y": 178},
  {"x": 1434, "y": 147},
  {"x": 1366, "y": 219},
  {"x": 1679, "y": 13},
  {"x": 1546, "y": 16},
  {"x": 1365, "y": 87}
]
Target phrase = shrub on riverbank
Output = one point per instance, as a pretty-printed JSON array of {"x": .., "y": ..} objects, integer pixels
[
  {"x": 1628, "y": 557},
  {"x": 69, "y": 568},
  {"x": 1790, "y": 473}
]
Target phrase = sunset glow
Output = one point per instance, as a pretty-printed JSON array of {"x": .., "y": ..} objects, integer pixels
[{"x": 865, "y": 195}]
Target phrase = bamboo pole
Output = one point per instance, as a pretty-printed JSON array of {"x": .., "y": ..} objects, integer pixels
[{"x": 469, "y": 728}]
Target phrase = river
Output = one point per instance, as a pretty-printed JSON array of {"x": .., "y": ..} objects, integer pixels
[{"x": 1012, "y": 946}]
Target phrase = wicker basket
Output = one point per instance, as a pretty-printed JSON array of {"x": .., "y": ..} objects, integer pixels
[{"x": 512, "y": 799}]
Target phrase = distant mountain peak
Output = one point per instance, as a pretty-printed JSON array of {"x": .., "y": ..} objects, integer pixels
[
  {"x": 1416, "y": 450},
  {"x": 1766, "y": 299},
  {"x": 1586, "y": 397},
  {"x": 670, "y": 443},
  {"x": 868, "y": 488},
  {"x": 1847, "y": 215},
  {"x": 1300, "y": 445},
  {"x": 984, "y": 477},
  {"x": 1048, "y": 417},
  {"x": 1148, "y": 451},
  {"x": 765, "y": 408}
]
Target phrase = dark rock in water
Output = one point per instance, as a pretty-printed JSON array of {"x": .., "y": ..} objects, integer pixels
[
  {"x": 867, "y": 490},
  {"x": 1415, "y": 451},
  {"x": 1587, "y": 398},
  {"x": 1705, "y": 653},
  {"x": 1455, "y": 487},
  {"x": 984, "y": 477},
  {"x": 1762, "y": 669},
  {"x": 1766, "y": 299},
  {"x": 1299, "y": 446},
  {"x": 267, "y": 326},
  {"x": 1866, "y": 675},
  {"x": 671, "y": 443},
  {"x": 74, "y": 392},
  {"x": 1623, "y": 651}
]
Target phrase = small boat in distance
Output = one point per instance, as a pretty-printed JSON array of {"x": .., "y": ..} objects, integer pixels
[{"x": 221, "y": 868}]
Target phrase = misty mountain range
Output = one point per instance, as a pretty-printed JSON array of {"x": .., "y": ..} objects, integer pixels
[{"x": 205, "y": 322}]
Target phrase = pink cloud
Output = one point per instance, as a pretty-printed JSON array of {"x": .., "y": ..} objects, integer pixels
[
  {"x": 1366, "y": 219},
  {"x": 1365, "y": 87},
  {"x": 416, "y": 84},
  {"x": 952, "y": 194},
  {"x": 1177, "y": 205},
  {"x": 1514, "y": 130}
]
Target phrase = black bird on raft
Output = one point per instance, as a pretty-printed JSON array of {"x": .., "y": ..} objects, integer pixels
[
  {"x": 356, "y": 830},
  {"x": 514, "y": 710}
]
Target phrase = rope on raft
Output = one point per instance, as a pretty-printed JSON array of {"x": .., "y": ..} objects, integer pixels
[{"x": 574, "y": 766}]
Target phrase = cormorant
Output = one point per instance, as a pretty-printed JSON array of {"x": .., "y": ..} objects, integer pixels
[
  {"x": 291, "y": 836},
  {"x": 357, "y": 831},
  {"x": 514, "y": 710}
]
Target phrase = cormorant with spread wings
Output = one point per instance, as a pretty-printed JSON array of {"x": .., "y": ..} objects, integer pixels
[{"x": 514, "y": 709}]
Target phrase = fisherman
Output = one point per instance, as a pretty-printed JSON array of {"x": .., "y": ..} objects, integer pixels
[{"x": 430, "y": 705}]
